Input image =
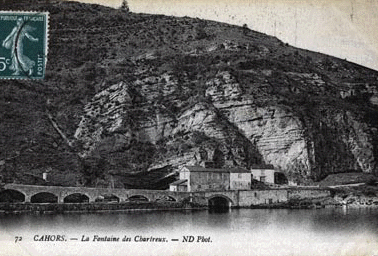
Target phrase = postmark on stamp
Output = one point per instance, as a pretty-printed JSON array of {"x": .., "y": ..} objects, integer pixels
[{"x": 24, "y": 44}]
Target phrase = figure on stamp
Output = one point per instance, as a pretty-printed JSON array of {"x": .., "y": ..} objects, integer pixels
[{"x": 14, "y": 42}]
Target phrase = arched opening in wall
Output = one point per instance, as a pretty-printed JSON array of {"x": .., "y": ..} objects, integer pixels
[
  {"x": 11, "y": 196},
  {"x": 44, "y": 197},
  {"x": 76, "y": 198},
  {"x": 138, "y": 198},
  {"x": 219, "y": 203},
  {"x": 166, "y": 199},
  {"x": 108, "y": 198}
]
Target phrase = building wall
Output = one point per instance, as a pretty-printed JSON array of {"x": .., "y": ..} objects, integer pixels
[
  {"x": 180, "y": 188},
  {"x": 206, "y": 181},
  {"x": 257, "y": 197},
  {"x": 267, "y": 173},
  {"x": 240, "y": 181},
  {"x": 185, "y": 175},
  {"x": 308, "y": 193}
]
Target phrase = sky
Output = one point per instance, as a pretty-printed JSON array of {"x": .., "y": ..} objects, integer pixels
[{"x": 347, "y": 29}]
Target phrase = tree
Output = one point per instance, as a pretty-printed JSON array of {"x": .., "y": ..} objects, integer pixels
[
  {"x": 125, "y": 6},
  {"x": 218, "y": 158},
  {"x": 245, "y": 29},
  {"x": 200, "y": 30}
]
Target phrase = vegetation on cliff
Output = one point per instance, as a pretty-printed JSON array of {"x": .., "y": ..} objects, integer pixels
[{"x": 138, "y": 94}]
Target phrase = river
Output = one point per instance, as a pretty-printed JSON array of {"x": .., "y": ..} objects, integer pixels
[{"x": 334, "y": 231}]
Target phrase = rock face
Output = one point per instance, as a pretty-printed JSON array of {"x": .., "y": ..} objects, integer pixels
[
  {"x": 137, "y": 93},
  {"x": 277, "y": 133},
  {"x": 196, "y": 134},
  {"x": 229, "y": 127},
  {"x": 105, "y": 115}
]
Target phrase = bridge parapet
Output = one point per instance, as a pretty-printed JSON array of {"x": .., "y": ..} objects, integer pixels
[{"x": 93, "y": 193}]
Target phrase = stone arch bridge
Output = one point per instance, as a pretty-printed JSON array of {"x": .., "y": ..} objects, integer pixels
[
  {"x": 230, "y": 198},
  {"x": 123, "y": 195}
]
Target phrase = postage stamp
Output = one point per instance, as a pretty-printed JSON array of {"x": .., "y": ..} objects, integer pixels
[{"x": 24, "y": 44}]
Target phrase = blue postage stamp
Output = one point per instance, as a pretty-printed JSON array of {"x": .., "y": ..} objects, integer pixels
[{"x": 23, "y": 49}]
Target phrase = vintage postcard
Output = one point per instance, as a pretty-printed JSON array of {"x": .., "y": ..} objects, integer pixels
[{"x": 188, "y": 127}]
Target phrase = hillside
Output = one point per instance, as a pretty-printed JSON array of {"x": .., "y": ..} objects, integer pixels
[{"x": 138, "y": 95}]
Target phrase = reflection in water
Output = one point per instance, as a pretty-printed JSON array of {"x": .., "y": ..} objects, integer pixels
[
  {"x": 232, "y": 232},
  {"x": 219, "y": 210}
]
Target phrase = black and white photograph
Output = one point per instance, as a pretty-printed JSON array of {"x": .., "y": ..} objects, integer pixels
[{"x": 189, "y": 127}]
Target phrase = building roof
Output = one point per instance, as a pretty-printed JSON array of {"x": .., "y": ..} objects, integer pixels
[
  {"x": 225, "y": 170},
  {"x": 179, "y": 182},
  {"x": 265, "y": 170},
  {"x": 239, "y": 170},
  {"x": 263, "y": 166}
]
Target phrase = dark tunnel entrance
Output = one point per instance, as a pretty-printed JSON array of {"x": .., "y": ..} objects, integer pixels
[
  {"x": 11, "y": 196},
  {"x": 44, "y": 197},
  {"x": 219, "y": 204},
  {"x": 76, "y": 198}
]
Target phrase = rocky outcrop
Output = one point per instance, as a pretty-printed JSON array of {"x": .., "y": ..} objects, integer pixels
[
  {"x": 358, "y": 139},
  {"x": 105, "y": 114},
  {"x": 227, "y": 122},
  {"x": 355, "y": 197},
  {"x": 277, "y": 133}
]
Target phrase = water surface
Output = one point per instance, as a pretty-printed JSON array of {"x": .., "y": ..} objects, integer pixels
[{"x": 234, "y": 232}]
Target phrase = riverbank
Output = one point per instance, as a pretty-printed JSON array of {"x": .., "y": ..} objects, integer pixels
[
  {"x": 67, "y": 208},
  {"x": 355, "y": 197},
  {"x": 359, "y": 196}
]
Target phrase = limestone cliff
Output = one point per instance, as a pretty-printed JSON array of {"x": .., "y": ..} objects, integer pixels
[{"x": 232, "y": 124}]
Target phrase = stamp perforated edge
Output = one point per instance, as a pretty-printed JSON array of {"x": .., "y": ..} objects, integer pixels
[{"x": 47, "y": 24}]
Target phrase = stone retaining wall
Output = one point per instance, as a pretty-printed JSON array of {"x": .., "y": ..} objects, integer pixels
[
  {"x": 307, "y": 193},
  {"x": 56, "y": 208},
  {"x": 259, "y": 197}
]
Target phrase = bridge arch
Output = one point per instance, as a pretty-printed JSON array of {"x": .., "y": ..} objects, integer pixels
[
  {"x": 76, "y": 198},
  {"x": 167, "y": 198},
  {"x": 11, "y": 196},
  {"x": 138, "y": 198},
  {"x": 219, "y": 201},
  {"x": 44, "y": 197},
  {"x": 107, "y": 198}
]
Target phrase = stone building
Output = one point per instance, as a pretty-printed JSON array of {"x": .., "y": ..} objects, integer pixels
[
  {"x": 267, "y": 174},
  {"x": 198, "y": 178},
  {"x": 240, "y": 179},
  {"x": 179, "y": 185}
]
